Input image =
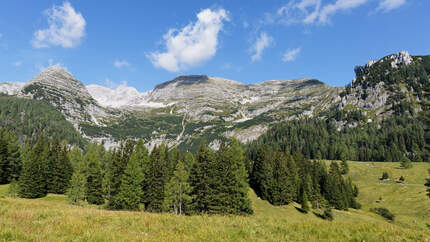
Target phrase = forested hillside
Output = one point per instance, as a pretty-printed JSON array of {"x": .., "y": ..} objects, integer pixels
[
  {"x": 393, "y": 139},
  {"x": 29, "y": 119}
]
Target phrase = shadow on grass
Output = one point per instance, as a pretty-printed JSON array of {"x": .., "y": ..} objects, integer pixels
[{"x": 300, "y": 210}]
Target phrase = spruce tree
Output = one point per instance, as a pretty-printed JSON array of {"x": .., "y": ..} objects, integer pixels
[
  {"x": 32, "y": 181},
  {"x": 94, "y": 189},
  {"x": 130, "y": 191},
  {"x": 188, "y": 161},
  {"x": 304, "y": 202},
  {"x": 4, "y": 162},
  {"x": 76, "y": 193},
  {"x": 120, "y": 159},
  {"x": 282, "y": 190},
  {"x": 406, "y": 163},
  {"x": 201, "y": 181},
  {"x": 156, "y": 180},
  {"x": 237, "y": 181},
  {"x": 177, "y": 190},
  {"x": 61, "y": 170},
  {"x": 14, "y": 156},
  {"x": 262, "y": 175},
  {"x": 141, "y": 153},
  {"x": 345, "y": 167}
]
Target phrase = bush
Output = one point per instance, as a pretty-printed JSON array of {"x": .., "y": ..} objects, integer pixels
[
  {"x": 402, "y": 179},
  {"x": 328, "y": 214},
  {"x": 385, "y": 175},
  {"x": 384, "y": 212}
]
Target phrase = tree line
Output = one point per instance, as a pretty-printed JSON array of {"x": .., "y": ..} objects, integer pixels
[
  {"x": 130, "y": 177},
  {"x": 281, "y": 178},
  {"x": 394, "y": 139}
]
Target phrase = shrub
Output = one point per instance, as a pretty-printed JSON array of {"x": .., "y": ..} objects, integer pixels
[
  {"x": 384, "y": 212},
  {"x": 328, "y": 214},
  {"x": 385, "y": 175}
]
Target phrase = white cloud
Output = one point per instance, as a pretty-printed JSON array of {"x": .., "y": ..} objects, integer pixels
[
  {"x": 315, "y": 11},
  {"x": 339, "y": 5},
  {"x": 66, "y": 28},
  {"x": 261, "y": 43},
  {"x": 291, "y": 55},
  {"x": 17, "y": 63},
  {"x": 388, "y": 5},
  {"x": 120, "y": 64},
  {"x": 193, "y": 44}
]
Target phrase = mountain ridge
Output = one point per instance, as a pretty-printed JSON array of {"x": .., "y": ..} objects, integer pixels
[{"x": 191, "y": 108}]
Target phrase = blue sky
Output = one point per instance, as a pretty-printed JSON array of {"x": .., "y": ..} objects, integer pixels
[{"x": 143, "y": 43}]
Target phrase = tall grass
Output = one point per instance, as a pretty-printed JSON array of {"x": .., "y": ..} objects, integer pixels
[{"x": 52, "y": 219}]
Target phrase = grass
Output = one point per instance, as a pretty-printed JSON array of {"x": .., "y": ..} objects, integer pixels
[{"x": 51, "y": 218}]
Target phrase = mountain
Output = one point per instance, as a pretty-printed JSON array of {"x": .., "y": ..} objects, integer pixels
[
  {"x": 60, "y": 89},
  {"x": 192, "y": 108}
]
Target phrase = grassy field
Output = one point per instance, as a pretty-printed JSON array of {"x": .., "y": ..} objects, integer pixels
[{"x": 52, "y": 219}]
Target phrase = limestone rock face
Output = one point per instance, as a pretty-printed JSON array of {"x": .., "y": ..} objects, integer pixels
[{"x": 60, "y": 89}]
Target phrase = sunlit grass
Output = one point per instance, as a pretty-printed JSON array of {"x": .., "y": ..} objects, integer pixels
[{"x": 52, "y": 219}]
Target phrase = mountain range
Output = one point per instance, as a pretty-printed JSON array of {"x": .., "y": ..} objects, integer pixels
[{"x": 188, "y": 109}]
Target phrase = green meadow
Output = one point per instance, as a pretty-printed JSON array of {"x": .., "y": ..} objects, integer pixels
[{"x": 52, "y": 219}]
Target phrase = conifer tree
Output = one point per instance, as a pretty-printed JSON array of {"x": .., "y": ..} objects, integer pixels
[
  {"x": 304, "y": 202},
  {"x": 345, "y": 167},
  {"x": 157, "y": 178},
  {"x": 237, "y": 181},
  {"x": 120, "y": 159},
  {"x": 14, "y": 156},
  {"x": 188, "y": 161},
  {"x": 261, "y": 178},
  {"x": 282, "y": 190},
  {"x": 94, "y": 189},
  {"x": 32, "y": 181},
  {"x": 405, "y": 163},
  {"x": 201, "y": 181},
  {"x": 130, "y": 191},
  {"x": 76, "y": 193},
  {"x": 61, "y": 170},
  {"x": 141, "y": 153},
  {"x": 177, "y": 190},
  {"x": 4, "y": 162}
]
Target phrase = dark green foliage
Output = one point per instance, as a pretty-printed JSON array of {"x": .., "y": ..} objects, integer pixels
[
  {"x": 32, "y": 181},
  {"x": 4, "y": 162},
  {"x": 156, "y": 179},
  {"x": 204, "y": 183},
  {"x": 304, "y": 203},
  {"x": 384, "y": 212},
  {"x": 94, "y": 190},
  {"x": 60, "y": 170},
  {"x": 176, "y": 197},
  {"x": 402, "y": 179},
  {"x": 385, "y": 175},
  {"x": 233, "y": 189},
  {"x": 327, "y": 214},
  {"x": 31, "y": 118},
  {"x": 130, "y": 191},
  {"x": 344, "y": 167},
  {"x": 281, "y": 178},
  {"x": 390, "y": 140},
  {"x": 406, "y": 163},
  {"x": 76, "y": 193}
]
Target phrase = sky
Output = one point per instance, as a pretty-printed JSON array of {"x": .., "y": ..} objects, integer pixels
[{"x": 144, "y": 43}]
